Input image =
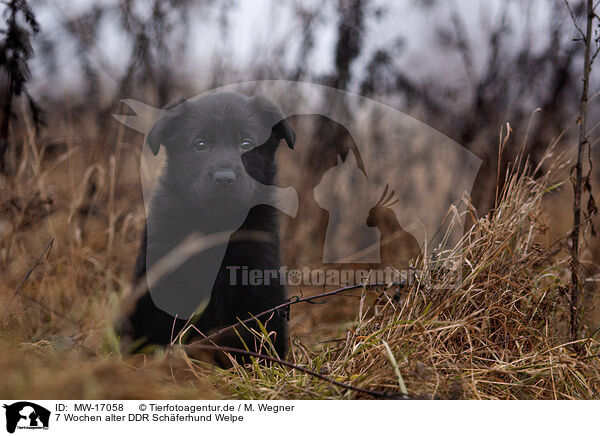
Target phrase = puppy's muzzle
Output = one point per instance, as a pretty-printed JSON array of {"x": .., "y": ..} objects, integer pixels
[{"x": 224, "y": 178}]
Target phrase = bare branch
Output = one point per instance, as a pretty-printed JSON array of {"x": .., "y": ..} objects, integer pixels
[
  {"x": 377, "y": 394},
  {"x": 574, "y": 19},
  {"x": 292, "y": 301},
  {"x": 578, "y": 179},
  {"x": 37, "y": 263}
]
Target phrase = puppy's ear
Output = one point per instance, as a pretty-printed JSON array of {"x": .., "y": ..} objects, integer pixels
[
  {"x": 281, "y": 127},
  {"x": 164, "y": 128}
]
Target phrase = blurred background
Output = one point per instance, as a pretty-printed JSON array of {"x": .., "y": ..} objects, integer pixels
[{"x": 463, "y": 67}]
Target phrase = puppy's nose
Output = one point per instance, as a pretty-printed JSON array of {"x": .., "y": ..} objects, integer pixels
[{"x": 224, "y": 178}]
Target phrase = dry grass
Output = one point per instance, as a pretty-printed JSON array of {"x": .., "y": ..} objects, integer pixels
[{"x": 489, "y": 327}]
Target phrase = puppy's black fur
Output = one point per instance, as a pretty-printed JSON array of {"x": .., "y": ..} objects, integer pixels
[{"x": 212, "y": 142}]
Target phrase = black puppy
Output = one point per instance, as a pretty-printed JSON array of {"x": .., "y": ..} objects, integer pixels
[{"x": 220, "y": 165}]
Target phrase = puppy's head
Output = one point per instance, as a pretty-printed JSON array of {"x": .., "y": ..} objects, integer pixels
[{"x": 219, "y": 146}]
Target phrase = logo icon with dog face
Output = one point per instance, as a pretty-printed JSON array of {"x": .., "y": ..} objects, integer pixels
[{"x": 26, "y": 415}]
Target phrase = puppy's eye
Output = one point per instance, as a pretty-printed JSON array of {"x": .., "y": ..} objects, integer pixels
[
  {"x": 247, "y": 143},
  {"x": 199, "y": 145}
]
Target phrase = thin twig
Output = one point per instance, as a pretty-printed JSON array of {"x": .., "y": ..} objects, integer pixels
[
  {"x": 574, "y": 20},
  {"x": 377, "y": 394},
  {"x": 290, "y": 302},
  {"x": 578, "y": 179},
  {"x": 37, "y": 263}
]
